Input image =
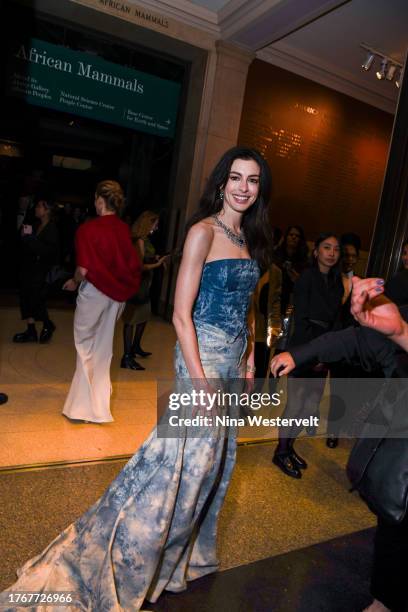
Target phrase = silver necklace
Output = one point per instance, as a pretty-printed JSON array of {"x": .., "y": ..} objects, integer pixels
[{"x": 238, "y": 240}]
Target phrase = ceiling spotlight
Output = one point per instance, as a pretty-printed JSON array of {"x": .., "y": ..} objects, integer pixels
[
  {"x": 391, "y": 72},
  {"x": 380, "y": 74},
  {"x": 369, "y": 61}
]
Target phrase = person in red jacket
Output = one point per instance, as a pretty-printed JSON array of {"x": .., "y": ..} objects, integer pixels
[{"x": 108, "y": 273}]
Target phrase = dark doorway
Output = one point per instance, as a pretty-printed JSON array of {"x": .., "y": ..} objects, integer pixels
[{"x": 68, "y": 154}]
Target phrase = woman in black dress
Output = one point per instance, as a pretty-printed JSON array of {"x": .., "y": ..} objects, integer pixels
[
  {"x": 39, "y": 246},
  {"x": 292, "y": 258}
]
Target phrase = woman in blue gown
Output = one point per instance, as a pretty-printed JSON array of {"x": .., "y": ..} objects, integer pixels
[{"x": 154, "y": 528}]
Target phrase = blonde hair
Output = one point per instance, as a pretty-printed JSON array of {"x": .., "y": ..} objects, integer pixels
[
  {"x": 112, "y": 193},
  {"x": 144, "y": 223}
]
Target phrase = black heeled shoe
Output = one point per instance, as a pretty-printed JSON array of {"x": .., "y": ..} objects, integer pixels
[
  {"x": 332, "y": 442},
  {"x": 26, "y": 336},
  {"x": 140, "y": 353},
  {"x": 128, "y": 363},
  {"x": 47, "y": 332},
  {"x": 297, "y": 460},
  {"x": 286, "y": 464}
]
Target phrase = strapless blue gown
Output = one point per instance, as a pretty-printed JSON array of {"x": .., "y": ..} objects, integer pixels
[{"x": 155, "y": 526}]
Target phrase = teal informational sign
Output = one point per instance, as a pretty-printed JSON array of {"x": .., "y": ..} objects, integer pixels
[{"x": 56, "y": 77}]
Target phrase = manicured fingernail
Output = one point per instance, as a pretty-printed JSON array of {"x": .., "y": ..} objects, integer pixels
[
  {"x": 379, "y": 289},
  {"x": 380, "y": 281}
]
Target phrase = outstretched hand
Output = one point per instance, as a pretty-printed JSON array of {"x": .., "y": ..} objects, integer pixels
[
  {"x": 372, "y": 309},
  {"x": 282, "y": 364}
]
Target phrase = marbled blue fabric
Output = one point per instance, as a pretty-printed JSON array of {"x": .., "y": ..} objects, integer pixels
[
  {"x": 155, "y": 526},
  {"x": 225, "y": 289}
]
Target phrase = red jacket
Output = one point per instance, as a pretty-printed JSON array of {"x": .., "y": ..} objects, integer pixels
[{"x": 104, "y": 247}]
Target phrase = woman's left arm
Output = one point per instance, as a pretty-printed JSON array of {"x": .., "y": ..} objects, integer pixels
[{"x": 72, "y": 283}]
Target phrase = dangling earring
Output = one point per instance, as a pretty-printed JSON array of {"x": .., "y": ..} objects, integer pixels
[{"x": 221, "y": 194}]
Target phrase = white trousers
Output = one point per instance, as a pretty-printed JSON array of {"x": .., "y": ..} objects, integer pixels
[{"x": 94, "y": 325}]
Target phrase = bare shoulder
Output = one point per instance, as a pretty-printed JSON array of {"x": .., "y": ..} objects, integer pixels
[
  {"x": 199, "y": 238},
  {"x": 201, "y": 231}
]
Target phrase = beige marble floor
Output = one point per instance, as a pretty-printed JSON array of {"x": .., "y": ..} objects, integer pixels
[{"x": 37, "y": 377}]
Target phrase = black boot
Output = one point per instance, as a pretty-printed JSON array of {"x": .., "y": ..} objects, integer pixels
[
  {"x": 285, "y": 463},
  {"x": 136, "y": 348},
  {"x": 128, "y": 363},
  {"x": 283, "y": 458},
  {"x": 29, "y": 335},
  {"x": 297, "y": 460},
  {"x": 47, "y": 331}
]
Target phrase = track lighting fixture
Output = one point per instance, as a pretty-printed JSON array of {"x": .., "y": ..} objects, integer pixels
[
  {"x": 368, "y": 63},
  {"x": 388, "y": 67},
  {"x": 380, "y": 74}
]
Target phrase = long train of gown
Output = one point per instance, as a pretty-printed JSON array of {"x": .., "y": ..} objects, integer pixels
[{"x": 155, "y": 526}]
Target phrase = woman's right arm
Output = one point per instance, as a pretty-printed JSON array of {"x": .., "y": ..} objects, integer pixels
[{"x": 196, "y": 249}]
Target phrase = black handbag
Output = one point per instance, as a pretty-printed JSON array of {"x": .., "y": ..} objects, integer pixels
[{"x": 378, "y": 464}]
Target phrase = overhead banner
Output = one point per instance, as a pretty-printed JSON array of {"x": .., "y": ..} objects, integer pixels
[{"x": 57, "y": 77}]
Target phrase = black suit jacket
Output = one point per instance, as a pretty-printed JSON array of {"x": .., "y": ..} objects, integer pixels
[
  {"x": 357, "y": 346},
  {"x": 316, "y": 298}
]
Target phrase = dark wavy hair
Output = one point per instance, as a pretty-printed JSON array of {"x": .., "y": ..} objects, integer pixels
[
  {"x": 47, "y": 198},
  {"x": 302, "y": 250},
  {"x": 255, "y": 222},
  {"x": 351, "y": 238}
]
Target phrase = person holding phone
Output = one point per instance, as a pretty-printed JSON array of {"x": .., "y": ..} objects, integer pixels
[{"x": 40, "y": 247}]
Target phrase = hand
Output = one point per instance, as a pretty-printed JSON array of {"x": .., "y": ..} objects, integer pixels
[
  {"x": 249, "y": 382},
  {"x": 26, "y": 230},
  {"x": 204, "y": 407},
  {"x": 282, "y": 364},
  {"x": 162, "y": 261},
  {"x": 70, "y": 285},
  {"x": 372, "y": 309}
]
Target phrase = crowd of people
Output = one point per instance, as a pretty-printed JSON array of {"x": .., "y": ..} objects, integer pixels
[{"x": 155, "y": 527}]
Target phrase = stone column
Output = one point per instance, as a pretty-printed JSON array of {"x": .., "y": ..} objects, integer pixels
[{"x": 230, "y": 77}]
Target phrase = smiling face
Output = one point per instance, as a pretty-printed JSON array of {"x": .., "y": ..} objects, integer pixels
[
  {"x": 327, "y": 254},
  {"x": 242, "y": 187}
]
